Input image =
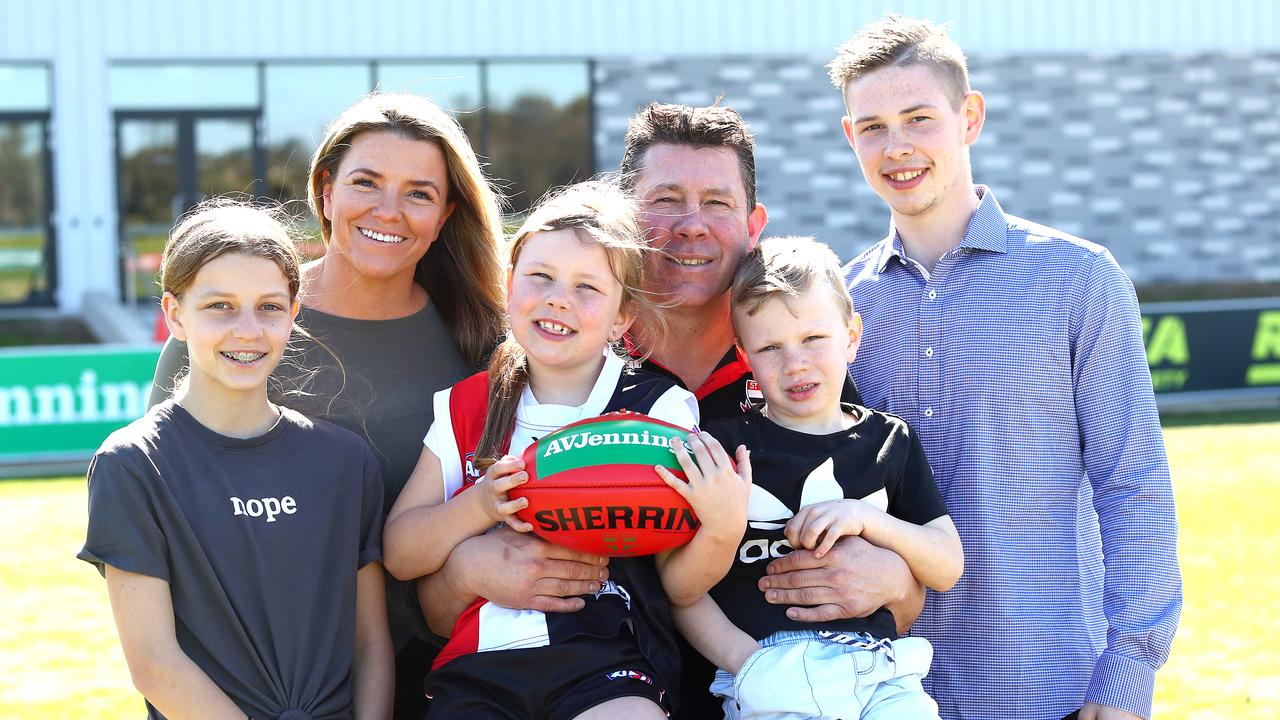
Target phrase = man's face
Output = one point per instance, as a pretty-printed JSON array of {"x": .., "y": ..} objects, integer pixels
[
  {"x": 913, "y": 146},
  {"x": 694, "y": 209}
]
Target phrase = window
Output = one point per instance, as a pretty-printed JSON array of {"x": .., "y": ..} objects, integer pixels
[
  {"x": 539, "y": 127},
  {"x": 189, "y": 131},
  {"x": 27, "y": 257},
  {"x": 300, "y": 101},
  {"x": 24, "y": 88},
  {"x": 184, "y": 87}
]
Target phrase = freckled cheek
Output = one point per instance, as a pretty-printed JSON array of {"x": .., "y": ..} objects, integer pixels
[
  {"x": 426, "y": 222},
  {"x": 766, "y": 372},
  {"x": 522, "y": 301},
  {"x": 347, "y": 202},
  {"x": 593, "y": 311},
  {"x": 218, "y": 325}
]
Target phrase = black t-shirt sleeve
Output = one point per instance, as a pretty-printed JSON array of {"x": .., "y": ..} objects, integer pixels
[
  {"x": 371, "y": 515},
  {"x": 124, "y": 530},
  {"x": 915, "y": 497}
]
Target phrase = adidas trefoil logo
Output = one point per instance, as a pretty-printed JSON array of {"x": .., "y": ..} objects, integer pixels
[{"x": 767, "y": 512}]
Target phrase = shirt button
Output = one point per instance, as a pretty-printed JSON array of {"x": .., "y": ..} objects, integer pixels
[
  {"x": 933, "y": 294},
  {"x": 928, "y": 352},
  {"x": 928, "y": 412}
]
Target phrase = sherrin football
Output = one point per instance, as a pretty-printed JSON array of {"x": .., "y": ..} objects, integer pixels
[{"x": 592, "y": 487}]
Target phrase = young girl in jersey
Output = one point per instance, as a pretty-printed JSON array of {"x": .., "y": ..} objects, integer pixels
[
  {"x": 240, "y": 540},
  {"x": 575, "y": 267}
]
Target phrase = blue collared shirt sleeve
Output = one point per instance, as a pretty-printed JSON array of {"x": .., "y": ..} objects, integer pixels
[
  {"x": 1019, "y": 360},
  {"x": 1124, "y": 459}
]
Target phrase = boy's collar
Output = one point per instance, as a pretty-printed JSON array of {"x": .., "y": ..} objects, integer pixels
[{"x": 987, "y": 231}]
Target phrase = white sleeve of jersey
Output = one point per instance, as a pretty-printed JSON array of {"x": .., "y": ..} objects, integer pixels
[
  {"x": 441, "y": 441},
  {"x": 678, "y": 407}
]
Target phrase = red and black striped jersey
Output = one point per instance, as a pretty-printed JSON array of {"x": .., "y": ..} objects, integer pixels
[{"x": 633, "y": 594}]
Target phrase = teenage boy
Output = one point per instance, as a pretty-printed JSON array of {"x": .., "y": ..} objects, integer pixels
[
  {"x": 1016, "y": 352},
  {"x": 822, "y": 470}
]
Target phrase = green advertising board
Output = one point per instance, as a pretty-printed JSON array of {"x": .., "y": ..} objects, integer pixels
[
  {"x": 1213, "y": 347},
  {"x": 61, "y": 403},
  {"x": 57, "y": 404}
]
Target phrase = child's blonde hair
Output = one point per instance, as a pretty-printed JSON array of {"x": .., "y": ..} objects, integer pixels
[
  {"x": 597, "y": 211},
  {"x": 787, "y": 267}
]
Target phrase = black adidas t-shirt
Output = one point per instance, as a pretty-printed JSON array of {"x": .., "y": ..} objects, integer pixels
[
  {"x": 878, "y": 460},
  {"x": 729, "y": 392}
]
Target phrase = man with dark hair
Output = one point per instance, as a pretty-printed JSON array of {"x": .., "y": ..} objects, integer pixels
[
  {"x": 693, "y": 171},
  {"x": 1016, "y": 352},
  {"x": 714, "y": 126}
]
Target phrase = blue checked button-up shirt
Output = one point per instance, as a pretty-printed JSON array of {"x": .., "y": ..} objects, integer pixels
[{"x": 1019, "y": 361}]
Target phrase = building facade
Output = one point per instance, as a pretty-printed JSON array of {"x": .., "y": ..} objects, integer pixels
[{"x": 1150, "y": 127}]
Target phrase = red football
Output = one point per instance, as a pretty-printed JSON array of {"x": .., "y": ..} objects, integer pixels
[{"x": 592, "y": 487}]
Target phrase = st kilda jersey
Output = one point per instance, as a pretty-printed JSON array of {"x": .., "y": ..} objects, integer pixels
[
  {"x": 879, "y": 461},
  {"x": 633, "y": 594},
  {"x": 732, "y": 390}
]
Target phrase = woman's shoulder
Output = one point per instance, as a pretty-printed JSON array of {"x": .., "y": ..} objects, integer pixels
[{"x": 322, "y": 433}]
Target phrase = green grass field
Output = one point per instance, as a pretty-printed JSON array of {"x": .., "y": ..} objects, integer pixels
[{"x": 59, "y": 657}]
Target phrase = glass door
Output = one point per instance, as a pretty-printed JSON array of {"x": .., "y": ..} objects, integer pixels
[
  {"x": 167, "y": 163},
  {"x": 27, "y": 265}
]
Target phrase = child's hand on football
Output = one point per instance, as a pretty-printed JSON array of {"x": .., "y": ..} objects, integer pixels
[
  {"x": 818, "y": 526},
  {"x": 491, "y": 492},
  {"x": 715, "y": 490}
]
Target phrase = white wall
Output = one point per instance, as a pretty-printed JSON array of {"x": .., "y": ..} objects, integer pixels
[
  {"x": 472, "y": 28},
  {"x": 80, "y": 38}
]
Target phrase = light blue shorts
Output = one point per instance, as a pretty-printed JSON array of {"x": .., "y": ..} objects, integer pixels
[{"x": 807, "y": 674}]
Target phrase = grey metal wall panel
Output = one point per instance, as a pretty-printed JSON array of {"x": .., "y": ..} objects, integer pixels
[{"x": 1156, "y": 156}]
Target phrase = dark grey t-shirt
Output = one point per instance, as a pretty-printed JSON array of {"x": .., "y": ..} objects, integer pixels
[
  {"x": 392, "y": 370},
  {"x": 260, "y": 540}
]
